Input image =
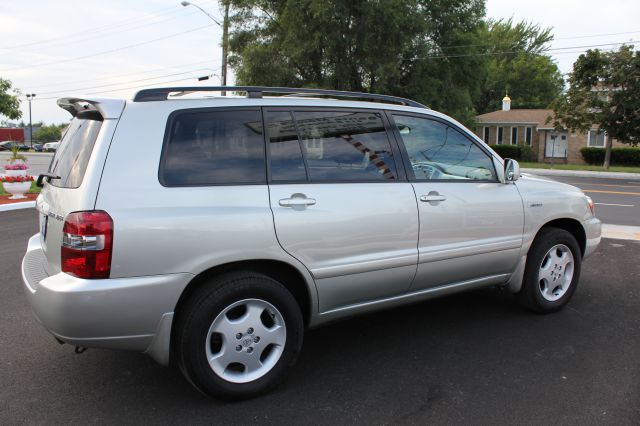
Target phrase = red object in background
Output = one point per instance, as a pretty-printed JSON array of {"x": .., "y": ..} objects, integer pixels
[{"x": 11, "y": 134}]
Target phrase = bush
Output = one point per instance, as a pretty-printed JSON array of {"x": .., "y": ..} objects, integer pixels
[
  {"x": 619, "y": 156},
  {"x": 517, "y": 152}
]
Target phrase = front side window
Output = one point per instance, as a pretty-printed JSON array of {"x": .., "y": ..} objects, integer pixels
[
  {"x": 596, "y": 139},
  {"x": 214, "y": 147},
  {"x": 345, "y": 146},
  {"x": 438, "y": 151}
]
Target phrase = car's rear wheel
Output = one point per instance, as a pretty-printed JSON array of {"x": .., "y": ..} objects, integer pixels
[
  {"x": 238, "y": 335},
  {"x": 552, "y": 271}
]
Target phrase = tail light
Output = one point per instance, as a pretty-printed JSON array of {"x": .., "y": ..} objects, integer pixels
[{"x": 87, "y": 240}]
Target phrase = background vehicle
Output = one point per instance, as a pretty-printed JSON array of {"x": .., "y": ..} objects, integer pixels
[
  {"x": 262, "y": 216},
  {"x": 8, "y": 145},
  {"x": 51, "y": 146}
]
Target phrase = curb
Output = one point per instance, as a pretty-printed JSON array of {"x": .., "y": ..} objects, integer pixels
[
  {"x": 583, "y": 173},
  {"x": 17, "y": 206},
  {"x": 621, "y": 232}
]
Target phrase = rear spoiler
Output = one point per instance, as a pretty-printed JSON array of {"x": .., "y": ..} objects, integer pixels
[{"x": 108, "y": 108}]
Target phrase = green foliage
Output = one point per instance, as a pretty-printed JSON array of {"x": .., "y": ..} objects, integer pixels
[
  {"x": 518, "y": 65},
  {"x": 51, "y": 133},
  {"x": 619, "y": 156},
  {"x": 15, "y": 155},
  {"x": 9, "y": 102},
  {"x": 399, "y": 47},
  {"x": 605, "y": 90},
  {"x": 517, "y": 152}
]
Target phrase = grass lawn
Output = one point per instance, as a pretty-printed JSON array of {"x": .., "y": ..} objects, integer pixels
[
  {"x": 33, "y": 190},
  {"x": 579, "y": 167}
]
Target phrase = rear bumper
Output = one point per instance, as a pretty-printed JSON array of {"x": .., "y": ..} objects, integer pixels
[
  {"x": 593, "y": 231},
  {"x": 120, "y": 313}
]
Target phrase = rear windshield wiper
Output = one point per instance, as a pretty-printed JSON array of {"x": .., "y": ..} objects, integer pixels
[{"x": 48, "y": 176}]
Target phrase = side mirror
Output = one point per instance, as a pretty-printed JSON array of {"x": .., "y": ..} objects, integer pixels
[{"x": 511, "y": 170}]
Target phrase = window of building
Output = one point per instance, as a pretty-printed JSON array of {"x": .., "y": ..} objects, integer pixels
[
  {"x": 438, "y": 151},
  {"x": 514, "y": 136},
  {"x": 528, "y": 135},
  {"x": 345, "y": 146},
  {"x": 596, "y": 139},
  {"x": 214, "y": 147},
  {"x": 499, "y": 135},
  {"x": 486, "y": 135}
]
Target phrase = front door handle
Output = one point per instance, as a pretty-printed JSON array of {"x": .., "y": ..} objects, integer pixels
[
  {"x": 297, "y": 201},
  {"x": 433, "y": 196}
]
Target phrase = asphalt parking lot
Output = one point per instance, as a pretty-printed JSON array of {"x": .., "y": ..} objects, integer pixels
[{"x": 475, "y": 358}]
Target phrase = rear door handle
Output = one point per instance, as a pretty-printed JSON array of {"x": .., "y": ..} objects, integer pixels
[
  {"x": 297, "y": 201},
  {"x": 291, "y": 202},
  {"x": 432, "y": 197}
]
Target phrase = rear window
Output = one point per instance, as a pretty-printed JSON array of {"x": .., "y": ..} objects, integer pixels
[
  {"x": 72, "y": 156},
  {"x": 214, "y": 148}
]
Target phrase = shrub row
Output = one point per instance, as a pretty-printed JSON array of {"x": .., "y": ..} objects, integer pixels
[
  {"x": 619, "y": 156},
  {"x": 517, "y": 152}
]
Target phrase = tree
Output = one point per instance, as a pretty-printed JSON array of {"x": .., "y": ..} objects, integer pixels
[
  {"x": 401, "y": 47},
  {"x": 9, "y": 103},
  {"x": 519, "y": 66},
  {"x": 49, "y": 133},
  {"x": 604, "y": 90}
]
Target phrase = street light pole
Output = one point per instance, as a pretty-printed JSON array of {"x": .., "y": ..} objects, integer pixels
[
  {"x": 29, "y": 97},
  {"x": 225, "y": 35}
]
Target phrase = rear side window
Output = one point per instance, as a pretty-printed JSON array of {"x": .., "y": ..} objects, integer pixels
[
  {"x": 345, "y": 146},
  {"x": 214, "y": 148},
  {"x": 72, "y": 156},
  {"x": 284, "y": 147}
]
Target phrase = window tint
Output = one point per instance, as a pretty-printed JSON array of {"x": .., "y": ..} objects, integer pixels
[
  {"x": 218, "y": 147},
  {"x": 438, "y": 151},
  {"x": 346, "y": 146},
  {"x": 286, "y": 156},
  {"x": 72, "y": 156}
]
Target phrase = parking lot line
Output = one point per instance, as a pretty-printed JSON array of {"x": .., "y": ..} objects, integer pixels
[{"x": 617, "y": 205}]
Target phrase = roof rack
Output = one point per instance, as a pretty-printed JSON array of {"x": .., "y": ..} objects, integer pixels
[{"x": 162, "y": 93}]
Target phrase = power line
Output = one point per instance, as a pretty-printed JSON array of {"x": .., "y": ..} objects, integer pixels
[
  {"x": 124, "y": 88},
  {"x": 104, "y": 52},
  {"x": 105, "y": 28},
  {"x": 128, "y": 82},
  {"x": 463, "y": 55},
  {"x": 94, "y": 80}
]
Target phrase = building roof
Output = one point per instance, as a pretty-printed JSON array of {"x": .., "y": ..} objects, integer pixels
[{"x": 537, "y": 117}]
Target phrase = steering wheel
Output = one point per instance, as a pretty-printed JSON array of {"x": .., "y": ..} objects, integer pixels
[{"x": 426, "y": 170}]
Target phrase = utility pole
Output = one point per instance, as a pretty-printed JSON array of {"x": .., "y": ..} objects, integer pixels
[
  {"x": 225, "y": 44},
  {"x": 225, "y": 35},
  {"x": 29, "y": 97}
]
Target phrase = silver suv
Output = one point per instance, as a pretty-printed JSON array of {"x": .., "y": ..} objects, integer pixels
[{"x": 209, "y": 232}]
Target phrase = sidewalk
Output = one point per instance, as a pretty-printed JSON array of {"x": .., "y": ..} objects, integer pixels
[{"x": 583, "y": 173}]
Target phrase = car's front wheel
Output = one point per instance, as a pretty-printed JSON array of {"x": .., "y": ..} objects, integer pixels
[
  {"x": 238, "y": 335},
  {"x": 552, "y": 271}
]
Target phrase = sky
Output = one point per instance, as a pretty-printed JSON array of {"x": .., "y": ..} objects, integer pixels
[{"x": 113, "y": 48}]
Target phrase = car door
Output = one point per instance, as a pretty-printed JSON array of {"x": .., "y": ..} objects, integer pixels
[
  {"x": 341, "y": 204},
  {"x": 471, "y": 224}
]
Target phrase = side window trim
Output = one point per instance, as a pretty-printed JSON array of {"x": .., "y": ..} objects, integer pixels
[
  {"x": 393, "y": 143},
  {"x": 167, "y": 136},
  {"x": 405, "y": 155}
]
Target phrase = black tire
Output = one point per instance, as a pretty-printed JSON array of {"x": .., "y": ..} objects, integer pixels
[
  {"x": 205, "y": 304},
  {"x": 531, "y": 294}
]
